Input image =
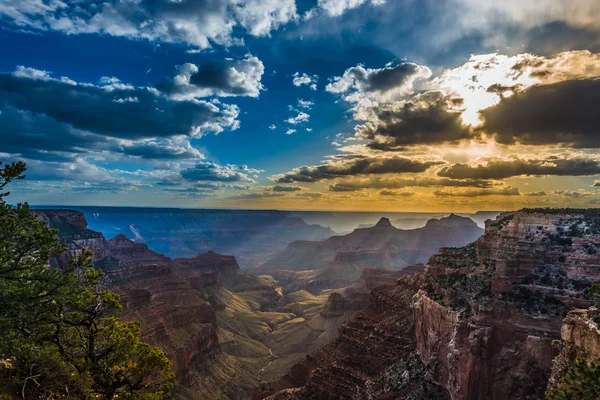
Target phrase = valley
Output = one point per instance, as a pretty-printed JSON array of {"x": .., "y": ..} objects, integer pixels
[{"x": 227, "y": 329}]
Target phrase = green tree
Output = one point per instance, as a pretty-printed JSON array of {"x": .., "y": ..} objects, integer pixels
[
  {"x": 59, "y": 337},
  {"x": 582, "y": 382}
]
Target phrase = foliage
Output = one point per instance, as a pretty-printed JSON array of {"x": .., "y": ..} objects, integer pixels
[
  {"x": 582, "y": 382},
  {"x": 59, "y": 337}
]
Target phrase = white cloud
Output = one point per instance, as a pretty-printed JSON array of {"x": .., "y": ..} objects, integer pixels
[
  {"x": 290, "y": 131},
  {"x": 298, "y": 119},
  {"x": 304, "y": 79},
  {"x": 305, "y": 104},
  {"x": 335, "y": 8},
  {"x": 197, "y": 23}
]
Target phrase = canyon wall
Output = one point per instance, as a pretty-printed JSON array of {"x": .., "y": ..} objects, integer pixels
[{"x": 481, "y": 321}]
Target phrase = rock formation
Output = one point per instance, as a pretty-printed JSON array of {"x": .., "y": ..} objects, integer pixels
[
  {"x": 339, "y": 261},
  {"x": 580, "y": 340},
  {"x": 249, "y": 234},
  {"x": 479, "y": 323}
]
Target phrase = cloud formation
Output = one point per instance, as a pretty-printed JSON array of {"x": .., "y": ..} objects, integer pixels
[
  {"x": 211, "y": 172},
  {"x": 355, "y": 166},
  {"x": 222, "y": 79},
  {"x": 359, "y": 84},
  {"x": 503, "y": 191},
  {"x": 396, "y": 182},
  {"x": 502, "y": 168},
  {"x": 300, "y": 79},
  {"x": 564, "y": 112},
  {"x": 335, "y": 8},
  {"x": 428, "y": 118},
  {"x": 194, "y": 22},
  {"x": 86, "y": 106}
]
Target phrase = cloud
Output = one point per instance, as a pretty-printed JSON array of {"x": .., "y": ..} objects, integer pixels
[
  {"x": 272, "y": 127},
  {"x": 536, "y": 194},
  {"x": 92, "y": 108},
  {"x": 505, "y": 191},
  {"x": 217, "y": 78},
  {"x": 427, "y": 118},
  {"x": 304, "y": 79},
  {"x": 290, "y": 131},
  {"x": 394, "y": 182},
  {"x": 305, "y": 104},
  {"x": 310, "y": 195},
  {"x": 393, "y": 193},
  {"x": 354, "y": 166},
  {"x": 335, "y": 8},
  {"x": 502, "y": 168},
  {"x": 197, "y": 23},
  {"x": 574, "y": 194},
  {"x": 360, "y": 84},
  {"x": 300, "y": 118},
  {"x": 280, "y": 188},
  {"x": 211, "y": 172},
  {"x": 163, "y": 149},
  {"x": 256, "y": 196},
  {"x": 564, "y": 112}
]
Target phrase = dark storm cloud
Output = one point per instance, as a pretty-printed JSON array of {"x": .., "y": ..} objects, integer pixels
[
  {"x": 355, "y": 166},
  {"x": 114, "y": 110},
  {"x": 425, "y": 119},
  {"x": 559, "y": 113},
  {"x": 207, "y": 171},
  {"x": 506, "y": 168}
]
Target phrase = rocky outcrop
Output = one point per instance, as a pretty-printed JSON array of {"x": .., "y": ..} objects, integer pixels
[
  {"x": 373, "y": 357},
  {"x": 490, "y": 312},
  {"x": 497, "y": 354},
  {"x": 580, "y": 340},
  {"x": 482, "y": 318},
  {"x": 337, "y": 304}
]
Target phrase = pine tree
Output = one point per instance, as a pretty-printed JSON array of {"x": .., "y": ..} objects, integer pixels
[{"x": 59, "y": 337}]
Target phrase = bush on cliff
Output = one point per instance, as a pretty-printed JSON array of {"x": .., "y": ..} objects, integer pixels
[
  {"x": 582, "y": 382},
  {"x": 58, "y": 334}
]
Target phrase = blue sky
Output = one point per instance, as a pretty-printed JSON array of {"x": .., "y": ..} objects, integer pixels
[{"x": 157, "y": 88}]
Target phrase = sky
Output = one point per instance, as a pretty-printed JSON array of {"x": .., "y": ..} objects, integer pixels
[{"x": 364, "y": 105}]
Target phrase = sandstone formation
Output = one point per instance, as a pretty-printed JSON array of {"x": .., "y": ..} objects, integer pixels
[
  {"x": 580, "y": 340},
  {"x": 373, "y": 356},
  {"x": 184, "y": 306},
  {"x": 479, "y": 323}
]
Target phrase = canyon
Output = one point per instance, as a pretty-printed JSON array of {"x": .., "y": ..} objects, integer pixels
[
  {"x": 225, "y": 329},
  {"x": 481, "y": 321},
  {"x": 347, "y": 317}
]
